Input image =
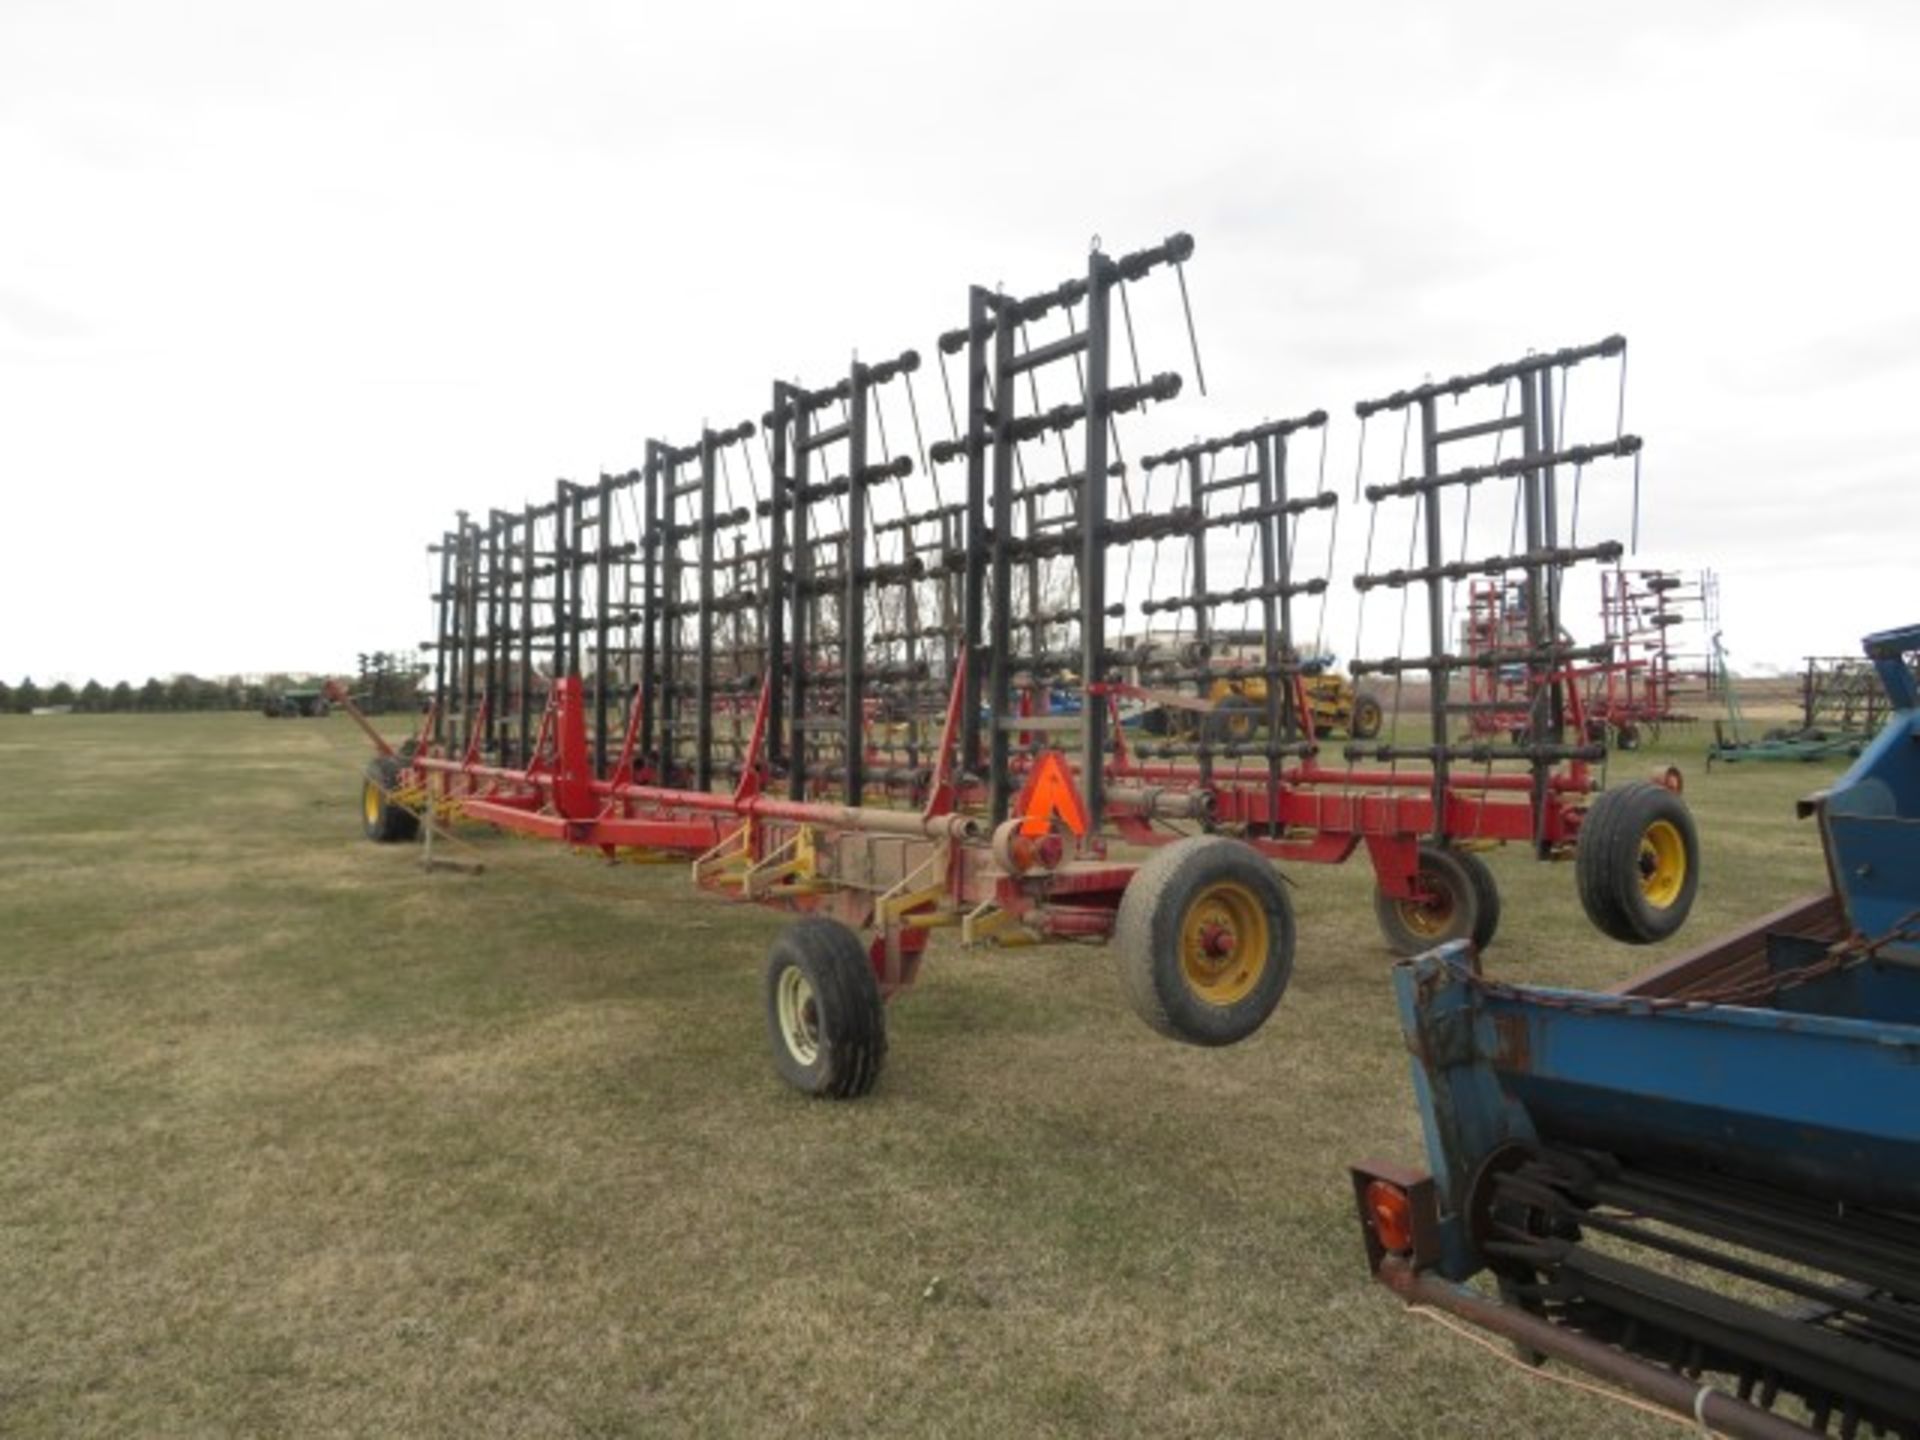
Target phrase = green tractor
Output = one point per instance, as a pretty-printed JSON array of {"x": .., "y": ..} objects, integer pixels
[{"x": 296, "y": 705}]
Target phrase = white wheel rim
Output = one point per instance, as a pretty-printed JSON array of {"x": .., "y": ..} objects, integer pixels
[{"x": 799, "y": 1016}]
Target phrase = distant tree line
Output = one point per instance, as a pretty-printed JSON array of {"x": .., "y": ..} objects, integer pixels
[
  {"x": 179, "y": 692},
  {"x": 389, "y": 680}
]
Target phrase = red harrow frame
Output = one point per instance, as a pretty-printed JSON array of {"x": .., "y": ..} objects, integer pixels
[
  {"x": 895, "y": 714},
  {"x": 1650, "y": 675}
]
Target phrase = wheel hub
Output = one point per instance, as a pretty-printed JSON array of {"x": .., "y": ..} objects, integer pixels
[
  {"x": 1223, "y": 944},
  {"x": 799, "y": 1016},
  {"x": 1428, "y": 913},
  {"x": 1662, "y": 863},
  {"x": 1217, "y": 940}
]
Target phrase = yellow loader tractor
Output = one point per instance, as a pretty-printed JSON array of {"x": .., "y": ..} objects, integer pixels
[{"x": 1237, "y": 706}]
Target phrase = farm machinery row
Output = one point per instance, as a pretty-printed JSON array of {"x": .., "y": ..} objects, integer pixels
[
  {"x": 1657, "y": 663},
  {"x": 1842, "y": 706},
  {"x": 1704, "y": 1185},
  {"x": 898, "y": 686}
]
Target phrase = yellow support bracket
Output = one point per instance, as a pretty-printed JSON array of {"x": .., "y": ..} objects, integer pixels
[
  {"x": 729, "y": 855},
  {"x": 790, "y": 868},
  {"x": 920, "y": 887},
  {"x": 987, "y": 923},
  {"x": 643, "y": 855}
]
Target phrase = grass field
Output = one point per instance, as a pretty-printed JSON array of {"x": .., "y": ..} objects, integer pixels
[{"x": 298, "y": 1140}]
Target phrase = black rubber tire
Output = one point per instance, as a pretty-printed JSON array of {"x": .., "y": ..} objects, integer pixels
[
  {"x": 1147, "y": 939},
  {"x": 1368, "y": 716},
  {"x": 1234, "y": 721},
  {"x": 1626, "y": 737},
  {"x": 384, "y": 822},
  {"x": 1464, "y": 881},
  {"x": 1486, "y": 899},
  {"x": 1610, "y": 858},
  {"x": 845, "y": 1018}
]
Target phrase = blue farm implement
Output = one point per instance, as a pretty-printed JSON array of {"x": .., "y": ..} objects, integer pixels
[{"x": 1711, "y": 1174}]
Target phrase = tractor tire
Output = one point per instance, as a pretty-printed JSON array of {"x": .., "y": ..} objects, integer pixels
[
  {"x": 1638, "y": 862},
  {"x": 1464, "y": 904},
  {"x": 825, "y": 1018},
  {"x": 385, "y": 822},
  {"x": 1486, "y": 899},
  {"x": 1233, "y": 721},
  {"x": 1204, "y": 940},
  {"x": 1367, "y": 718}
]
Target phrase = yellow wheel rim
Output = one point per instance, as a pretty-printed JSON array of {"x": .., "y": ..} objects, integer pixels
[
  {"x": 1429, "y": 919},
  {"x": 799, "y": 1015},
  {"x": 1663, "y": 863},
  {"x": 1224, "y": 939},
  {"x": 1432, "y": 916},
  {"x": 370, "y": 802}
]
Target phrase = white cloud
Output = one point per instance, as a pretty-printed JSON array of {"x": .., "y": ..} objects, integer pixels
[{"x": 281, "y": 287}]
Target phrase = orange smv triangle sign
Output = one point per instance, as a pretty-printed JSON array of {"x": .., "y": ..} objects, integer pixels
[{"x": 1049, "y": 792}]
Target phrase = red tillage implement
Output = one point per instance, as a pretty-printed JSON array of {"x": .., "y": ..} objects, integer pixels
[
  {"x": 1651, "y": 674},
  {"x": 896, "y": 714}
]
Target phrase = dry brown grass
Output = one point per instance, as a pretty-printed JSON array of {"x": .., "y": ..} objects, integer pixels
[{"x": 296, "y": 1140}]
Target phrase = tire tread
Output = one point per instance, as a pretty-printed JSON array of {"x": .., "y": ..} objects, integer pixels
[
  {"x": 395, "y": 823},
  {"x": 1606, "y": 862},
  {"x": 853, "y": 1016},
  {"x": 1147, "y": 958},
  {"x": 1467, "y": 874}
]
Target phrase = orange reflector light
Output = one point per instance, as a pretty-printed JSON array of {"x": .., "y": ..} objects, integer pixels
[
  {"x": 1049, "y": 793},
  {"x": 1391, "y": 1216}
]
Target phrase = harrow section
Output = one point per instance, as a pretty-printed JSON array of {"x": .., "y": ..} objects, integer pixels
[
  {"x": 1072, "y": 701},
  {"x": 1647, "y": 616},
  {"x": 1527, "y": 776}
]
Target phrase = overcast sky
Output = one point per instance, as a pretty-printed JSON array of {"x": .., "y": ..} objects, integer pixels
[{"x": 282, "y": 285}]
